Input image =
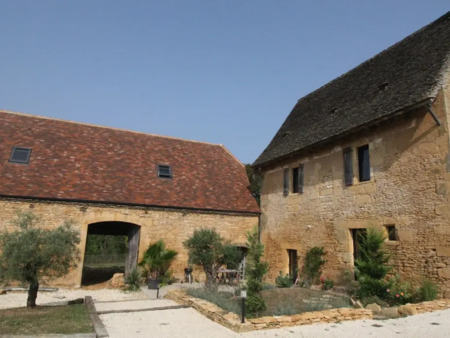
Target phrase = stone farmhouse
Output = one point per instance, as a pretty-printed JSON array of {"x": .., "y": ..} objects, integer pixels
[
  {"x": 116, "y": 182},
  {"x": 369, "y": 149}
]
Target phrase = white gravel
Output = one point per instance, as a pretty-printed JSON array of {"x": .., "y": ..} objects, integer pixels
[
  {"x": 187, "y": 322},
  {"x": 14, "y": 299}
]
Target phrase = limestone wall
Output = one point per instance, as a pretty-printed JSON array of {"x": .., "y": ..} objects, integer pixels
[
  {"x": 173, "y": 226},
  {"x": 409, "y": 188}
]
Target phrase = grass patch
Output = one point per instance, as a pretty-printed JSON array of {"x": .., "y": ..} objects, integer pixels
[{"x": 68, "y": 319}]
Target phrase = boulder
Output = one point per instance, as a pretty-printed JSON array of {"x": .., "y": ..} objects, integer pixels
[
  {"x": 117, "y": 281},
  {"x": 391, "y": 312},
  {"x": 407, "y": 310},
  {"x": 375, "y": 308}
]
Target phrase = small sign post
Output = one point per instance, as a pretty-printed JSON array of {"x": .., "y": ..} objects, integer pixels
[{"x": 243, "y": 297}]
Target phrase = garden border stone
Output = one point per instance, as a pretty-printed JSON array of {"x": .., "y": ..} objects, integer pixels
[{"x": 232, "y": 320}]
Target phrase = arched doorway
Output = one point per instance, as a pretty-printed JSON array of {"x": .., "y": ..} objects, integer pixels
[{"x": 122, "y": 237}]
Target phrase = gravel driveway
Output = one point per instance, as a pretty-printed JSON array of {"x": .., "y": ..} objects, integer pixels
[{"x": 186, "y": 322}]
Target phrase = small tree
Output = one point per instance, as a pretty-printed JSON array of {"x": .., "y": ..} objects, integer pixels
[
  {"x": 208, "y": 249},
  {"x": 31, "y": 253},
  {"x": 255, "y": 271},
  {"x": 371, "y": 266}
]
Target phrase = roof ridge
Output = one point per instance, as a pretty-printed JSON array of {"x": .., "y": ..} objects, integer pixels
[
  {"x": 408, "y": 37},
  {"x": 105, "y": 127},
  {"x": 231, "y": 154}
]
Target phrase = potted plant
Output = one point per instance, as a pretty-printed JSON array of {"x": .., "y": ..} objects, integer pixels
[{"x": 156, "y": 261}]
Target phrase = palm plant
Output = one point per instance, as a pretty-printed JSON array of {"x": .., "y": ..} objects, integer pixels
[{"x": 157, "y": 260}]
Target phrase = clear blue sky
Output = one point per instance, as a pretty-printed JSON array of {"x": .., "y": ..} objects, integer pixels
[{"x": 219, "y": 71}]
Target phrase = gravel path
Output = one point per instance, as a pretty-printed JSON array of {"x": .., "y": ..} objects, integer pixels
[
  {"x": 189, "y": 323},
  {"x": 19, "y": 298},
  {"x": 186, "y": 322}
]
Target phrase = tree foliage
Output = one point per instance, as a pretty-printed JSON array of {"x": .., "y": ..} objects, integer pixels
[
  {"x": 255, "y": 182},
  {"x": 255, "y": 270},
  {"x": 31, "y": 253},
  {"x": 209, "y": 250},
  {"x": 106, "y": 245}
]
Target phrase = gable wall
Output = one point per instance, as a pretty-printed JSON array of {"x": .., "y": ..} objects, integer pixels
[
  {"x": 173, "y": 226},
  {"x": 409, "y": 187}
]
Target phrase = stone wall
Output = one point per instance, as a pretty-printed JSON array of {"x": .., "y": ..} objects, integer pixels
[
  {"x": 173, "y": 226},
  {"x": 409, "y": 188}
]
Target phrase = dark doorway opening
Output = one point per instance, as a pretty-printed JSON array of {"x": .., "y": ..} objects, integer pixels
[
  {"x": 111, "y": 247},
  {"x": 358, "y": 235},
  {"x": 293, "y": 264}
]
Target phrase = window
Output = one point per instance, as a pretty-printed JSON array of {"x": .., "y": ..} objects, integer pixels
[
  {"x": 348, "y": 166},
  {"x": 20, "y": 155},
  {"x": 392, "y": 232},
  {"x": 285, "y": 182},
  {"x": 297, "y": 179},
  {"x": 164, "y": 171},
  {"x": 364, "y": 163}
]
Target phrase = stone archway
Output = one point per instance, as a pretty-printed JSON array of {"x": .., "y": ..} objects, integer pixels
[{"x": 116, "y": 228}]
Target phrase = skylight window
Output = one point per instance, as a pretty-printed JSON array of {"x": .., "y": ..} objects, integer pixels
[
  {"x": 20, "y": 155},
  {"x": 164, "y": 171}
]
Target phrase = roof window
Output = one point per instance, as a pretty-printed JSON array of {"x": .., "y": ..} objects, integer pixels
[
  {"x": 164, "y": 171},
  {"x": 20, "y": 155}
]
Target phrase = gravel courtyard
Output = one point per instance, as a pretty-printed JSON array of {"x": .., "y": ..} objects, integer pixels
[{"x": 186, "y": 322}]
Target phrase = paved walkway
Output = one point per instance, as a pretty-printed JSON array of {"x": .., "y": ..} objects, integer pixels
[{"x": 165, "y": 318}]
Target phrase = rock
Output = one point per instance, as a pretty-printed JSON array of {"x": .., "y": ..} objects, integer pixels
[
  {"x": 447, "y": 294},
  {"x": 407, "y": 310},
  {"x": 375, "y": 308},
  {"x": 389, "y": 312},
  {"x": 117, "y": 281},
  {"x": 2, "y": 292}
]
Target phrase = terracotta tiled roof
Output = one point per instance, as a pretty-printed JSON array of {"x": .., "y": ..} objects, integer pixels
[
  {"x": 74, "y": 161},
  {"x": 410, "y": 72}
]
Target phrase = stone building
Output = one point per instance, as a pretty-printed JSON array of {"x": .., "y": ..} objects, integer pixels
[
  {"x": 368, "y": 149},
  {"x": 117, "y": 182}
]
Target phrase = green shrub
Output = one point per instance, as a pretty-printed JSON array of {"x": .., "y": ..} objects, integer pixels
[
  {"x": 371, "y": 267},
  {"x": 313, "y": 265},
  {"x": 328, "y": 284},
  {"x": 255, "y": 270},
  {"x": 157, "y": 260},
  {"x": 427, "y": 291},
  {"x": 283, "y": 281},
  {"x": 400, "y": 292},
  {"x": 255, "y": 305},
  {"x": 132, "y": 280}
]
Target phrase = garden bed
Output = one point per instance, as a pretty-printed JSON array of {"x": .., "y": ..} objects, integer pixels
[{"x": 233, "y": 322}]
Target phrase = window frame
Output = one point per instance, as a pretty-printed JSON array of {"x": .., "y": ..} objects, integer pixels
[
  {"x": 164, "y": 176},
  {"x": 364, "y": 163},
  {"x": 391, "y": 230},
  {"x": 348, "y": 166},
  {"x": 298, "y": 179},
  {"x": 14, "y": 149},
  {"x": 285, "y": 181}
]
